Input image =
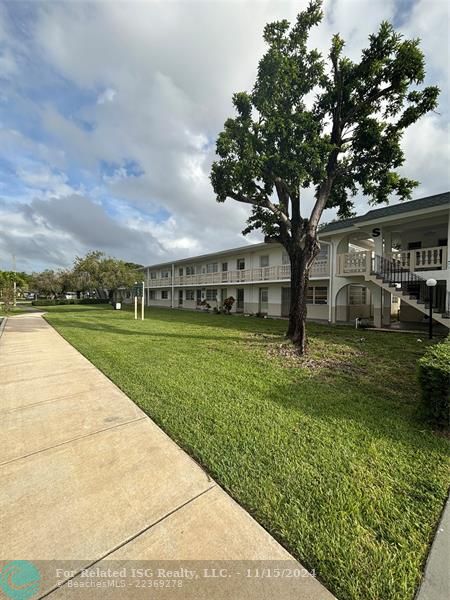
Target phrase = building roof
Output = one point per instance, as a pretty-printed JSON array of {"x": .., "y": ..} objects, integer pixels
[
  {"x": 238, "y": 250},
  {"x": 404, "y": 207},
  {"x": 388, "y": 211}
]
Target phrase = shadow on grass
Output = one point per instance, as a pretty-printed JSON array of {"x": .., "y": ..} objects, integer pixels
[
  {"x": 359, "y": 394},
  {"x": 115, "y": 330}
]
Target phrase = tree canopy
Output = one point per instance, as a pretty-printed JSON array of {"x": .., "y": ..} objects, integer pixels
[
  {"x": 93, "y": 272},
  {"x": 332, "y": 123}
]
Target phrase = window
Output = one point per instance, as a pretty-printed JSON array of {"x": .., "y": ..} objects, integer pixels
[
  {"x": 211, "y": 268},
  {"x": 224, "y": 266},
  {"x": 323, "y": 254},
  {"x": 164, "y": 295},
  {"x": 151, "y": 294},
  {"x": 320, "y": 295},
  {"x": 264, "y": 261},
  {"x": 414, "y": 245},
  {"x": 180, "y": 271},
  {"x": 317, "y": 295},
  {"x": 357, "y": 294},
  {"x": 164, "y": 274},
  {"x": 285, "y": 260},
  {"x": 211, "y": 295},
  {"x": 153, "y": 275},
  {"x": 189, "y": 294},
  {"x": 240, "y": 264}
]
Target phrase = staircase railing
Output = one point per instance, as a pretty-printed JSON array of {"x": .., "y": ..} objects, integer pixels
[{"x": 409, "y": 283}]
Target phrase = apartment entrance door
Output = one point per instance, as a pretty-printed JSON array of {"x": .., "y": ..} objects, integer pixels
[
  {"x": 285, "y": 301},
  {"x": 263, "y": 300},
  {"x": 180, "y": 297},
  {"x": 240, "y": 300}
]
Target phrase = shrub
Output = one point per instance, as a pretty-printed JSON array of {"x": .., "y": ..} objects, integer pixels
[
  {"x": 65, "y": 301},
  {"x": 43, "y": 302},
  {"x": 434, "y": 379},
  {"x": 92, "y": 301},
  {"x": 228, "y": 305}
]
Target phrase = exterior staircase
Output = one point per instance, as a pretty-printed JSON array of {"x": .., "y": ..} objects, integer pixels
[{"x": 389, "y": 275}]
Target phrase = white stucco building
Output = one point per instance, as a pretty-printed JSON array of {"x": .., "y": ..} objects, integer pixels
[{"x": 373, "y": 266}]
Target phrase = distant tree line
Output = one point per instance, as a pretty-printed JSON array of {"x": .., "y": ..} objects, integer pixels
[{"x": 93, "y": 275}]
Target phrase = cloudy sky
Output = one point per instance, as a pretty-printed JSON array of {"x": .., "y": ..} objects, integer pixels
[{"x": 110, "y": 111}]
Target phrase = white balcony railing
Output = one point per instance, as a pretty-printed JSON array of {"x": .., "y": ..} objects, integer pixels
[
  {"x": 358, "y": 263},
  {"x": 353, "y": 263},
  {"x": 321, "y": 268},
  {"x": 422, "y": 258}
]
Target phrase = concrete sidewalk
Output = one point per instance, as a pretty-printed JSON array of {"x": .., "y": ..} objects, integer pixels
[{"x": 87, "y": 478}]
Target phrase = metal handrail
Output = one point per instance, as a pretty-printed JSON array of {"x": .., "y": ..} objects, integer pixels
[{"x": 409, "y": 283}]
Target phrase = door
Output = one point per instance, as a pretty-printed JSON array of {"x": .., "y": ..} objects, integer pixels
[
  {"x": 264, "y": 300},
  {"x": 199, "y": 297},
  {"x": 240, "y": 300},
  {"x": 224, "y": 271},
  {"x": 285, "y": 301},
  {"x": 223, "y": 295},
  {"x": 180, "y": 297}
]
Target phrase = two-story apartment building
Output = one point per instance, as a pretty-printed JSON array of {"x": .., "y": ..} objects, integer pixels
[{"x": 374, "y": 266}]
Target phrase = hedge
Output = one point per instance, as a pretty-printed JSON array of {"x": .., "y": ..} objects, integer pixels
[
  {"x": 434, "y": 379},
  {"x": 64, "y": 302}
]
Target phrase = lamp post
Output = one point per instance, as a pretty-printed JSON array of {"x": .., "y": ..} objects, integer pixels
[{"x": 431, "y": 284}]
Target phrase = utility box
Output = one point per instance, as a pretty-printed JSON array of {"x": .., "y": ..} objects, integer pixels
[{"x": 118, "y": 305}]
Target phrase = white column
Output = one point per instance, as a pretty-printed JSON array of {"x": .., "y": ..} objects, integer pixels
[
  {"x": 387, "y": 242},
  {"x": 173, "y": 286},
  {"x": 378, "y": 242},
  {"x": 331, "y": 261},
  {"x": 377, "y": 300},
  {"x": 448, "y": 263}
]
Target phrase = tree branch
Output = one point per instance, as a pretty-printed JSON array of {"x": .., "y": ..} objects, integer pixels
[
  {"x": 277, "y": 212},
  {"x": 241, "y": 198},
  {"x": 264, "y": 202}
]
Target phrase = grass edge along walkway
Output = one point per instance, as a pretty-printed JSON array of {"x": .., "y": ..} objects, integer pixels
[{"x": 334, "y": 460}]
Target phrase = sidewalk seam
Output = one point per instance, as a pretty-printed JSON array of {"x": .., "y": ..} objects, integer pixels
[
  {"x": 3, "y": 325},
  {"x": 90, "y": 366},
  {"x": 130, "y": 539},
  {"x": 81, "y": 437},
  {"x": 25, "y": 406}
]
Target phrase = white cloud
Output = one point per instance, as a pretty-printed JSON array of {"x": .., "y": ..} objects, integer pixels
[
  {"x": 107, "y": 95},
  {"x": 155, "y": 82}
]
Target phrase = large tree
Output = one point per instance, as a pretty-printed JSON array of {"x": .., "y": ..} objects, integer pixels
[
  {"x": 8, "y": 291},
  {"x": 48, "y": 283},
  {"x": 328, "y": 123},
  {"x": 101, "y": 272}
]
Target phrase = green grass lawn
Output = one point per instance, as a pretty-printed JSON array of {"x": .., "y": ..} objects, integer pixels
[
  {"x": 15, "y": 310},
  {"x": 330, "y": 454}
]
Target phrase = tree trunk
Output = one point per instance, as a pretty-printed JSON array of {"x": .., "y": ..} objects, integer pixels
[{"x": 301, "y": 259}]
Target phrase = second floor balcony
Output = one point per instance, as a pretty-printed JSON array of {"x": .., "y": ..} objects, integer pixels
[
  {"x": 321, "y": 268},
  {"x": 422, "y": 259}
]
